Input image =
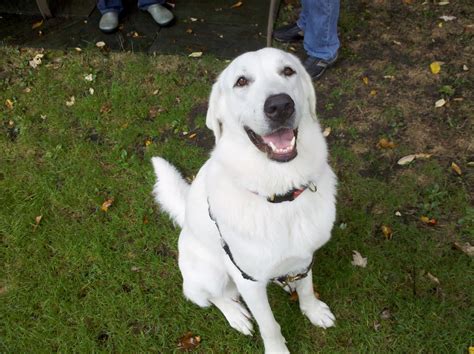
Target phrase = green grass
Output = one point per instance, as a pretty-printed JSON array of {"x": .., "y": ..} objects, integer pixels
[{"x": 86, "y": 280}]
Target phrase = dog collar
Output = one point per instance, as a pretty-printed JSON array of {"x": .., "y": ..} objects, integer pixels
[
  {"x": 292, "y": 194},
  {"x": 284, "y": 280}
]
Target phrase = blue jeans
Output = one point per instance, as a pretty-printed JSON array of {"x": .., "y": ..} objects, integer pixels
[
  {"x": 318, "y": 20},
  {"x": 116, "y": 5}
]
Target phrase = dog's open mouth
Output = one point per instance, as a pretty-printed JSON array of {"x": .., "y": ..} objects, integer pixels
[{"x": 279, "y": 145}]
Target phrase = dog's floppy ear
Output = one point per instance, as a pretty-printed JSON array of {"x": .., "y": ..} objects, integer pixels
[
  {"x": 309, "y": 91},
  {"x": 214, "y": 112}
]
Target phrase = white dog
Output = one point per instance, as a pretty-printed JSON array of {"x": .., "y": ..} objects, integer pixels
[{"x": 263, "y": 203}]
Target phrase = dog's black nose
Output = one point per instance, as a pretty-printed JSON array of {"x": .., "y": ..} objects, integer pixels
[{"x": 279, "y": 108}]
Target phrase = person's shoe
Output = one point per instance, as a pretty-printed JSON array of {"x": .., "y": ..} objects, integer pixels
[
  {"x": 288, "y": 33},
  {"x": 109, "y": 22},
  {"x": 316, "y": 66},
  {"x": 160, "y": 14}
]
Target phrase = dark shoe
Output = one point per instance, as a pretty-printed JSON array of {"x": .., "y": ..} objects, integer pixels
[
  {"x": 316, "y": 67},
  {"x": 288, "y": 33},
  {"x": 109, "y": 22}
]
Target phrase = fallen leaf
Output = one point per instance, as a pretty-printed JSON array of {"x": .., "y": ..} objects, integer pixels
[
  {"x": 443, "y": 3},
  {"x": 27, "y": 90},
  {"x": 433, "y": 278},
  {"x": 397, "y": 42},
  {"x": 387, "y": 232},
  {"x": 37, "y": 221},
  {"x": 406, "y": 160},
  {"x": 91, "y": 90},
  {"x": 189, "y": 342},
  {"x": 435, "y": 67},
  {"x": 365, "y": 79},
  {"x": 447, "y": 18},
  {"x": 358, "y": 260},
  {"x": 440, "y": 103},
  {"x": 89, "y": 77},
  {"x": 471, "y": 350},
  {"x": 293, "y": 296},
  {"x": 100, "y": 44},
  {"x": 386, "y": 314},
  {"x": 189, "y": 31},
  {"x": 36, "y": 61},
  {"x": 465, "y": 67},
  {"x": 192, "y": 136},
  {"x": 385, "y": 144},
  {"x": 107, "y": 204},
  {"x": 377, "y": 326},
  {"x": 135, "y": 269},
  {"x": 148, "y": 142},
  {"x": 195, "y": 55},
  {"x": 237, "y": 4},
  {"x": 389, "y": 77},
  {"x": 456, "y": 168},
  {"x": 77, "y": 49},
  {"x": 135, "y": 34},
  {"x": 193, "y": 19},
  {"x": 397, "y": 213},
  {"x": 37, "y": 24},
  {"x": 326, "y": 132},
  {"x": 428, "y": 221},
  {"x": 9, "y": 103},
  {"x": 373, "y": 92},
  {"x": 106, "y": 108},
  {"x": 71, "y": 101},
  {"x": 466, "y": 248}
]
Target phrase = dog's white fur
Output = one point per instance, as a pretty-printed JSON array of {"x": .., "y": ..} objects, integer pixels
[{"x": 266, "y": 240}]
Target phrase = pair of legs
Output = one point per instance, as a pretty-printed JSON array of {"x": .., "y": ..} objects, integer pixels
[
  {"x": 317, "y": 27},
  {"x": 105, "y": 6},
  {"x": 255, "y": 296},
  {"x": 110, "y": 10}
]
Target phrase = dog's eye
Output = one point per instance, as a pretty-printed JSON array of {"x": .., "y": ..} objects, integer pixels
[
  {"x": 287, "y": 71},
  {"x": 241, "y": 81}
]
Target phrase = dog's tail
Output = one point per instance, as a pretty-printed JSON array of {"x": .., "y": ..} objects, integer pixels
[{"x": 170, "y": 190}]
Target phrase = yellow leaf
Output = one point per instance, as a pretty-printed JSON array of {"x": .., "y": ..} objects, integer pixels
[
  {"x": 9, "y": 103},
  {"x": 426, "y": 220},
  {"x": 456, "y": 168},
  {"x": 373, "y": 93},
  {"x": 387, "y": 232},
  {"x": 148, "y": 142},
  {"x": 440, "y": 103},
  {"x": 37, "y": 24},
  {"x": 471, "y": 350},
  {"x": 435, "y": 67},
  {"x": 107, "y": 204},
  {"x": 365, "y": 79},
  {"x": 327, "y": 131},
  {"x": 237, "y": 4}
]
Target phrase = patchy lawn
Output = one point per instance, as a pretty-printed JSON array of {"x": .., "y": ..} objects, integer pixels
[{"x": 80, "y": 275}]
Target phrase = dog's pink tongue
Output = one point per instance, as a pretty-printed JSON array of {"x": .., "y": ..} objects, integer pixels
[{"x": 281, "y": 138}]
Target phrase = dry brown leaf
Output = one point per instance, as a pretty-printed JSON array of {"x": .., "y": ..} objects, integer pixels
[
  {"x": 456, "y": 168},
  {"x": 387, "y": 232},
  {"x": 466, "y": 248},
  {"x": 107, "y": 204},
  {"x": 440, "y": 103},
  {"x": 189, "y": 342},
  {"x": 100, "y": 44},
  {"x": 293, "y": 296},
  {"x": 365, "y": 79},
  {"x": 37, "y": 24},
  {"x": 327, "y": 131},
  {"x": 106, "y": 108},
  {"x": 237, "y": 4},
  {"x": 384, "y": 143},
  {"x": 71, "y": 101},
  {"x": 192, "y": 136},
  {"x": 373, "y": 93},
  {"x": 358, "y": 260},
  {"x": 36, "y": 61},
  {"x": 189, "y": 31},
  {"x": 428, "y": 221},
  {"x": 409, "y": 158}
]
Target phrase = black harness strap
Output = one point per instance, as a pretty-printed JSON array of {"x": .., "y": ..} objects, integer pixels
[{"x": 285, "y": 280}]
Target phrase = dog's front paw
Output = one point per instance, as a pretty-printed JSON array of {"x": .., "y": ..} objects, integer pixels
[
  {"x": 276, "y": 348},
  {"x": 319, "y": 313}
]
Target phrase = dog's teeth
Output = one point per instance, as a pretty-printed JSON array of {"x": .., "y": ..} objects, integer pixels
[
  {"x": 293, "y": 141},
  {"x": 273, "y": 147}
]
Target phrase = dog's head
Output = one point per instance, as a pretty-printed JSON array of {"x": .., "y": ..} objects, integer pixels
[{"x": 264, "y": 95}]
